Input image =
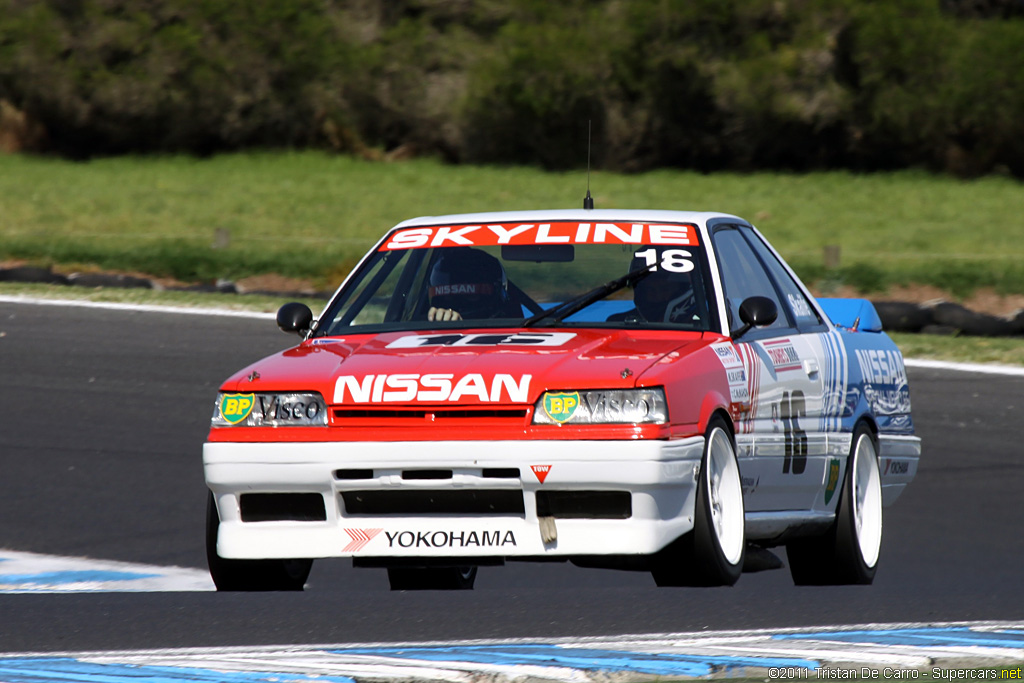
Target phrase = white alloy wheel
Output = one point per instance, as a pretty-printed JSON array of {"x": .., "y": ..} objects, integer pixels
[
  {"x": 725, "y": 495},
  {"x": 711, "y": 554},
  {"x": 848, "y": 553},
  {"x": 867, "y": 500}
]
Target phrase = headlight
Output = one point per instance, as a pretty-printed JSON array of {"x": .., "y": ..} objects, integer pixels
[
  {"x": 269, "y": 410},
  {"x": 611, "y": 406}
]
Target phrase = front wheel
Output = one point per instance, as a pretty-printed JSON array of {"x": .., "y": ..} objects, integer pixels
[
  {"x": 431, "y": 578},
  {"x": 711, "y": 554},
  {"x": 250, "y": 575},
  {"x": 848, "y": 553}
]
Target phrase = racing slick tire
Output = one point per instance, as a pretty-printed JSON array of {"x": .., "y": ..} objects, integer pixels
[
  {"x": 711, "y": 554},
  {"x": 250, "y": 575},
  {"x": 431, "y": 578},
  {"x": 848, "y": 553}
]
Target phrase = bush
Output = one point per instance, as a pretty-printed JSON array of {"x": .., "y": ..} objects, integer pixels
[{"x": 706, "y": 84}]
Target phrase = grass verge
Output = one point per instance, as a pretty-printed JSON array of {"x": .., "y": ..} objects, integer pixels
[{"x": 311, "y": 215}]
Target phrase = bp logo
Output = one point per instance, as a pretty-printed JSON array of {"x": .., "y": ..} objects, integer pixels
[
  {"x": 561, "y": 406},
  {"x": 236, "y": 407},
  {"x": 833, "y": 479}
]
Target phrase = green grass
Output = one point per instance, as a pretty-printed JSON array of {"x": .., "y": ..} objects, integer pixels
[
  {"x": 312, "y": 215},
  {"x": 997, "y": 350}
]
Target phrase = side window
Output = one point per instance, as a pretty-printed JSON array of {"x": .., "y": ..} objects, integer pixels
[
  {"x": 744, "y": 276},
  {"x": 807, "y": 318}
]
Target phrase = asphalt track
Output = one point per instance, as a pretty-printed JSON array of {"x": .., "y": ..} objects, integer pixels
[{"x": 102, "y": 417}]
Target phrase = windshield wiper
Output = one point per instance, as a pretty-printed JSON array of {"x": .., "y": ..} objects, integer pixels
[{"x": 567, "y": 308}]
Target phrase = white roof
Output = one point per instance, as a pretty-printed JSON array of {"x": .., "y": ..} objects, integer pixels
[{"x": 591, "y": 215}]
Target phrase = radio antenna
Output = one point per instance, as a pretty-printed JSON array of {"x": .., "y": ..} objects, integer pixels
[{"x": 588, "y": 201}]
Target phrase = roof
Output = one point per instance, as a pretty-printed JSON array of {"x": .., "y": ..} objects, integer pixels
[{"x": 590, "y": 215}]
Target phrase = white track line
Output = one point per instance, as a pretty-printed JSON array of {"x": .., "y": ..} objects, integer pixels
[{"x": 22, "y": 572}]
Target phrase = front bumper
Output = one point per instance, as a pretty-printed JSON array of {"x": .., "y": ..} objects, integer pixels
[{"x": 379, "y": 497}]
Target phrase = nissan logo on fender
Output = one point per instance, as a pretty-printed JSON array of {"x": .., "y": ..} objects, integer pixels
[{"x": 431, "y": 387}]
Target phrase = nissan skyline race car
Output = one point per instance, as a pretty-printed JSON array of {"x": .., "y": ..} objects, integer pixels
[{"x": 651, "y": 390}]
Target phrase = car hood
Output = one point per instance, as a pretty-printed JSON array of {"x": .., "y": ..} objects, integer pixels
[{"x": 466, "y": 366}]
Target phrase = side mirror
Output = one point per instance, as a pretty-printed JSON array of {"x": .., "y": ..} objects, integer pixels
[
  {"x": 295, "y": 317},
  {"x": 756, "y": 311}
]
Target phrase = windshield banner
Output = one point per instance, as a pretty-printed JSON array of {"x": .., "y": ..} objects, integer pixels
[{"x": 541, "y": 233}]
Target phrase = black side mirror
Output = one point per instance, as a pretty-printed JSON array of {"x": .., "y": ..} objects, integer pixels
[
  {"x": 295, "y": 317},
  {"x": 756, "y": 311}
]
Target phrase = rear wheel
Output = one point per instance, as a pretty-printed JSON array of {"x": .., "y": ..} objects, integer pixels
[
  {"x": 711, "y": 554},
  {"x": 250, "y": 575},
  {"x": 431, "y": 578},
  {"x": 848, "y": 553}
]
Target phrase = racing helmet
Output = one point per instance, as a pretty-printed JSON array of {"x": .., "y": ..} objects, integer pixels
[
  {"x": 471, "y": 282},
  {"x": 667, "y": 294}
]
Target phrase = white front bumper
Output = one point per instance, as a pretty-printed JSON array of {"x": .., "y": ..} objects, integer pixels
[{"x": 659, "y": 475}]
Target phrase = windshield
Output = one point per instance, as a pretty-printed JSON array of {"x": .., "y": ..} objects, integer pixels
[{"x": 501, "y": 275}]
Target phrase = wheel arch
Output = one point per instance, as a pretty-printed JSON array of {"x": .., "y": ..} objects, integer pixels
[
  {"x": 714, "y": 404},
  {"x": 868, "y": 420}
]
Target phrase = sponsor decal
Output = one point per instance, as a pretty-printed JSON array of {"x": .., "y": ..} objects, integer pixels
[
  {"x": 511, "y": 339},
  {"x": 881, "y": 367},
  {"x": 896, "y": 466},
  {"x": 278, "y": 408},
  {"x": 783, "y": 355},
  {"x": 801, "y": 308},
  {"x": 736, "y": 374},
  {"x": 360, "y": 537},
  {"x": 462, "y": 289},
  {"x": 885, "y": 381},
  {"x": 541, "y": 471},
  {"x": 400, "y": 388},
  {"x": 560, "y": 406},
  {"x": 542, "y": 233},
  {"x": 833, "y": 479},
  {"x": 449, "y": 539},
  {"x": 236, "y": 407}
]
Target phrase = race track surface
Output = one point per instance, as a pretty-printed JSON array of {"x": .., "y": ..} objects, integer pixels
[{"x": 103, "y": 414}]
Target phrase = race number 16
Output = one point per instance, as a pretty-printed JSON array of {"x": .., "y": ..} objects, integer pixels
[
  {"x": 792, "y": 408},
  {"x": 672, "y": 260}
]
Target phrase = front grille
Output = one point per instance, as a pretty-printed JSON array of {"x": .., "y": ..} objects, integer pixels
[
  {"x": 414, "y": 502},
  {"x": 429, "y": 414},
  {"x": 426, "y": 474},
  {"x": 500, "y": 473},
  {"x": 486, "y": 473},
  {"x": 277, "y": 507},
  {"x": 353, "y": 474},
  {"x": 585, "y": 504}
]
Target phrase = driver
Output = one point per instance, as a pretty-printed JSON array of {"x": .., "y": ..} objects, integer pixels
[
  {"x": 664, "y": 296},
  {"x": 468, "y": 283}
]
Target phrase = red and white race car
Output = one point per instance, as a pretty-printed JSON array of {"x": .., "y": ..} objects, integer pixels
[{"x": 647, "y": 390}]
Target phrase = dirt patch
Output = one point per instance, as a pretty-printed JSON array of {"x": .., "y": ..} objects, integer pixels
[
  {"x": 982, "y": 301},
  {"x": 274, "y": 283}
]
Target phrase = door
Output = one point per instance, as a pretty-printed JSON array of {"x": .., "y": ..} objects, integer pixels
[{"x": 781, "y": 437}]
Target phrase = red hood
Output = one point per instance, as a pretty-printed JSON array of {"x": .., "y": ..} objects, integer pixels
[{"x": 465, "y": 366}]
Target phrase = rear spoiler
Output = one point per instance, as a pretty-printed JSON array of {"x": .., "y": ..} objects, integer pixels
[{"x": 856, "y": 315}]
